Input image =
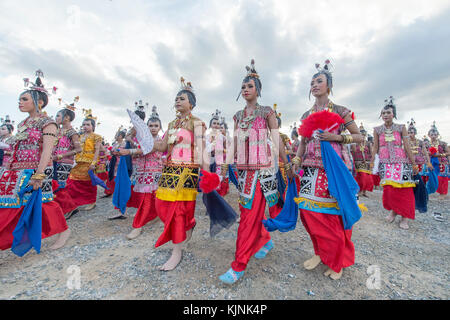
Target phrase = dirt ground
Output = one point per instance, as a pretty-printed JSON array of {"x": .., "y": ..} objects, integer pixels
[{"x": 410, "y": 264}]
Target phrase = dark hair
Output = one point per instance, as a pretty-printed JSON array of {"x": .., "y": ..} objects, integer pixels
[
  {"x": 258, "y": 83},
  {"x": 214, "y": 118},
  {"x": 92, "y": 121},
  {"x": 140, "y": 113},
  {"x": 36, "y": 96},
  {"x": 191, "y": 96},
  {"x": 67, "y": 112},
  {"x": 279, "y": 122},
  {"x": 154, "y": 119},
  {"x": 413, "y": 128},
  {"x": 8, "y": 126},
  {"x": 225, "y": 125},
  {"x": 390, "y": 106},
  {"x": 294, "y": 132}
]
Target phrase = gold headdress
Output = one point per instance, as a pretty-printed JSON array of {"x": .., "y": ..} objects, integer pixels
[
  {"x": 88, "y": 114},
  {"x": 70, "y": 106}
]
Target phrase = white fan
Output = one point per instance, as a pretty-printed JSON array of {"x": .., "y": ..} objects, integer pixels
[{"x": 143, "y": 134}]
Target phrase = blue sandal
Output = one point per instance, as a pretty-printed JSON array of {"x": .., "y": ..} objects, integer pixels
[
  {"x": 261, "y": 254},
  {"x": 231, "y": 276}
]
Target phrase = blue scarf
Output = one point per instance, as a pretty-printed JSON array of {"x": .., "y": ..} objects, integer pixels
[
  {"x": 28, "y": 231},
  {"x": 122, "y": 189},
  {"x": 341, "y": 185},
  {"x": 286, "y": 220}
]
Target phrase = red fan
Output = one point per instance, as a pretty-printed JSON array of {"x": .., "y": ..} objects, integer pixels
[
  {"x": 433, "y": 150},
  {"x": 324, "y": 120}
]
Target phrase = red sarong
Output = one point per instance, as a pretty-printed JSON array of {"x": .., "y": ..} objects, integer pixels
[
  {"x": 178, "y": 217},
  {"x": 252, "y": 235},
  {"x": 376, "y": 180},
  {"x": 330, "y": 241},
  {"x": 53, "y": 222},
  {"x": 365, "y": 181},
  {"x": 400, "y": 200},
  {"x": 110, "y": 184},
  {"x": 146, "y": 211},
  {"x": 65, "y": 201},
  {"x": 82, "y": 192},
  {"x": 443, "y": 185}
]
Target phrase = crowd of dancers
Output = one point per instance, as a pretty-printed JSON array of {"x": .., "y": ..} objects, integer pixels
[{"x": 50, "y": 171}]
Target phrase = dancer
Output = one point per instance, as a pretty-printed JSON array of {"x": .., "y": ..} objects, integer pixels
[
  {"x": 442, "y": 153},
  {"x": 255, "y": 126},
  {"x": 295, "y": 139},
  {"x": 224, "y": 186},
  {"x": 215, "y": 147},
  {"x": 118, "y": 144},
  {"x": 397, "y": 165},
  {"x": 79, "y": 184},
  {"x": 148, "y": 170},
  {"x": 420, "y": 152},
  {"x": 440, "y": 150},
  {"x": 100, "y": 169},
  {"x": 319, "y": 211},
  {"x": 177, "y": 188},
  {"x": 285, "y": 143},
  {"x": 131, "y": 143},
  {"x": 30, "y": 164},
  {"x": 362, "y": 156},
  {"x": 67, "y": 146},
  {"x": 6, "y": 130}
]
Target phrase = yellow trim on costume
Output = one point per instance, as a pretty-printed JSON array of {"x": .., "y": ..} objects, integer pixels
[
  {"x": 398, "y": 185},
  {"x": 315, "y": 204},
  {"x": 364, "y": 171},
  {"x": 168, "y": 194}
]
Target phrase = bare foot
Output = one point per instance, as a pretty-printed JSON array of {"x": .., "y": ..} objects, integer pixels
[
  {"x": 61, "y": 241},
  {"x": 134, "y": 233},
  {"x": 404, "y": 224},
  {"x": 391, "y": 217},
  {"x": 89, "y": 207},
  {"x": 312, "y": 263},
  {"x": 174, "y": 259},
  {"x": 333, "y": 275}
]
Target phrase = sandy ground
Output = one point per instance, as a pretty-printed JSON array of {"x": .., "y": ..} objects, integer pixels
[{"x": 409, "y": 264}]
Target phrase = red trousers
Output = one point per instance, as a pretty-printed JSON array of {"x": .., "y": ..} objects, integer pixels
[
  {"x": 178, "y": 217},
  {"x": 135, "y": 199},
  {"x": 65, "y": 201},
  {"x": 82, "y": 192},
  {"x": 53, "y": 222},
  {"x": 365, "y": 181},
  {"x": 146, "y": 211},
  {"x": 443, "y": 185},
  {"x": 252, "y": 235},
  {"x": 400, "y": 200},
  {"x": 330, "y": 241}
]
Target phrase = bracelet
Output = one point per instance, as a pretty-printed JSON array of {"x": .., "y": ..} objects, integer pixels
[
  {"x": 60, "y": 156},
  {"x": 38, "y": 176},
  {"x": 287, "y": 166},
  {"x": 347, "y": 138},
  {"x": 93, "y": 163},
  {"x": 348, "y": 123},
  {"x": 49, "y": 134},
  {"x": 296, "y": 160},
  {"x": 224, "y": 167}
]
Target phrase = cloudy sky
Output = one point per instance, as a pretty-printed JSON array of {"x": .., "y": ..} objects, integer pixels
[{"x": 113, "y": 53}]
